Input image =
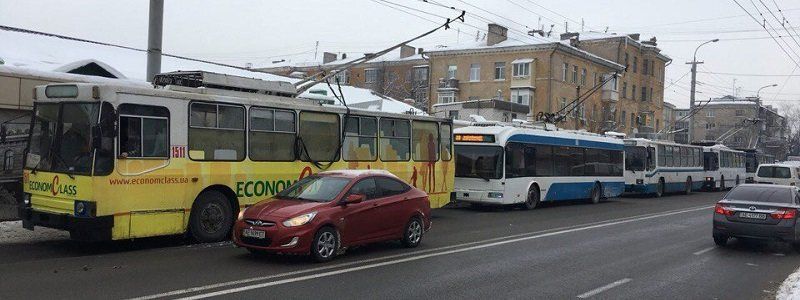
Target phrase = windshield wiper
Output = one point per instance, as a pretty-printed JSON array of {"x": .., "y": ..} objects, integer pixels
[
  {"x": 481, "y": 176},
  {"x": 56, "y": 155}
]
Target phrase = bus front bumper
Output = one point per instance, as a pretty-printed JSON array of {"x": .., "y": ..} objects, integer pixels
[{"x": 82, "y": 229}]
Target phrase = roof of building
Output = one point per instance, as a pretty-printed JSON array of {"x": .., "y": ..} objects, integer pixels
[
  {"x": 600, "y": 36},
  {"x": 51, "y": 56}
]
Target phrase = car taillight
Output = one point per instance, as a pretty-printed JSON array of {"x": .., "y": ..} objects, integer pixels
[
  {"x": 722, "y": 210},
  {"x": 784, "y": 214}
]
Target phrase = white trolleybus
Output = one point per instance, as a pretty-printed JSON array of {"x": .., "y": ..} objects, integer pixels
[
  {"x": 504, "y": 165},
  {"x": 752, "y": 160},
  {"x": 724, "y": 167},
  {"x": 658, "y": 167}
]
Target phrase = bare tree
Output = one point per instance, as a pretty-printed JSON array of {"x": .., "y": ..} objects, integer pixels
[{"x": 791, "y": 111}]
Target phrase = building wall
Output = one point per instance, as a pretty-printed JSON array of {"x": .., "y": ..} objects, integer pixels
[
  {"x": 768, "y": 136},
  {"x": 649, "y": 110},
  {"x": 396, "y": 80},
  {"x": 549, "y": 90}
]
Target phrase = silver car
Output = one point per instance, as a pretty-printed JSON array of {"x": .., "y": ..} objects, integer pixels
[{"x": 759, "y": 211}]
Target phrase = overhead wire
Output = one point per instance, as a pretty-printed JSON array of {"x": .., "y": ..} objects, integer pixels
[{"x": 765, "y": 29}]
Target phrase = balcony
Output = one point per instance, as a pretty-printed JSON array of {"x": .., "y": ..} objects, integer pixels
[
  {"x": 609, "y": 95},
  {"x": 448, "y": 84}
]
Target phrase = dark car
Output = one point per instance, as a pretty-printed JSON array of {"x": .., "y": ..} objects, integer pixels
[
  {"x": 326, "y": 213},
  {"x": 759, "y": 211}
]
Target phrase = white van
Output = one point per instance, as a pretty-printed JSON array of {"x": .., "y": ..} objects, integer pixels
[{"x": 780, "y": 173}]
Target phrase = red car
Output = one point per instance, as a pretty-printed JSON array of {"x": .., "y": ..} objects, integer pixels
[{"x": 326, "y": 213}]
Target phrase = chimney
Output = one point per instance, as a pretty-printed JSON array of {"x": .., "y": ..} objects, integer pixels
[
  {"x": 420, "y": 50},
  {"x": 497, "y": 34},
  {"x": 634, "y": 36},
  {"x": 573, "y": 37},
  {"x": 406, "y": 51},
  {"x": 328, "y": 57},
  {"x": 651, "y": 42}
]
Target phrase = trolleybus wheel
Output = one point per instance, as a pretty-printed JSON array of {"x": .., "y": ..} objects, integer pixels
[
  {"x": 737, "y": 179},
  {"x": 722, "y": 183},
  {"x": 211, "y": 218},
  {"x": 660, "y": 188},
  {"x": 688, "y": 188},
  {"x": 533, "y": 198},
  {"x": 596, "y": 194}
]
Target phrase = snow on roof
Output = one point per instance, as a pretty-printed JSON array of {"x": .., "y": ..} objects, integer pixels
[
  {"x": 361, "y": 98},
  {"x": 67, "y": 77},
  {"x": 42, "y": 55}
]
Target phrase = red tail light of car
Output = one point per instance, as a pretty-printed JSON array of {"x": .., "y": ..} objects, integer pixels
[
  {"x": 722, "y": 210},
  {"x": 784, "y": 214}
]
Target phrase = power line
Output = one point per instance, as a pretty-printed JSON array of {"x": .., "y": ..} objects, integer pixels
[
  {"x": 489, "y": 21},
  {"x": 779, "y": 21},
  {"x": 556, "y": 13},
  {"x": 765, "y": 29},
  {"x": 749, "y": 74}
]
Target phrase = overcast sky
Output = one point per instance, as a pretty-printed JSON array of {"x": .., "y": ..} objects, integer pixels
[{"x": 260, "y": 32}]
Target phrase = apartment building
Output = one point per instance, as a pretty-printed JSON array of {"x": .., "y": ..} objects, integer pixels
[
  {"x": 742, "y": 123},
  {"x": 401, "y": 74},
  {"x": 535, "y": 78},
  {"x": 641, "y": 85},
  {"x": 681, "y": 127}
]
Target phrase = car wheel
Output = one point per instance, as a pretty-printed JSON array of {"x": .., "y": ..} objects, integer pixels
[
  {"x": 533, "y": 199},
  {"x": 325, "y": 244},
  {"x": 596, "y": 195},
  {"x": 688, "y": 188},
  {"x": 660, "y": 188},
  {"x": 211, "y": 218},
  {"x": 412, "y": 235},
  {"x": 721, "y": 239}
]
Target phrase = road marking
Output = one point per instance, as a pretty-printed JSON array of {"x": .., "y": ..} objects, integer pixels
[
  {"x": 410, "y": 256},
  {"x": 704, "y": 250},
  {"x": 604, "y": 288}
]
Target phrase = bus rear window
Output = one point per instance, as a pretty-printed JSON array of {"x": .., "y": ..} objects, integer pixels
[
  {"x": 774, "y": 172},
  {"x": 760, "y": 194}
]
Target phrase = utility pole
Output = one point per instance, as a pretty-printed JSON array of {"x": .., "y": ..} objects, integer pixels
[
  {"x": 316, "y": 49},
  {"x": 154, "y": 37},
  {"x": 694, "y": 64}
]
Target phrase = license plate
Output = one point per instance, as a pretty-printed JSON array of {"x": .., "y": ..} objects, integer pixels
[
  {"x": 748, "y": 215},
  {"x": 259, "y": 234}
]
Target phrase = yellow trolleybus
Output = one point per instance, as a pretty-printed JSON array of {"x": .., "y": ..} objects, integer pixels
[{"x": 110, "y": 162}]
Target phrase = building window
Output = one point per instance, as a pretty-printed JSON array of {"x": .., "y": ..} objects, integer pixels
[
  {"x": 521, "y": 96},
  {"x": 421, "y": 75},
  {"x": 645, "y": 67},
  {"x": 583, "y": 76},
  {"x": 633, "y": 120},
  {"x": 651, "y": 94},
  {"x": 564, "y": 72},
  {"x": 622, "y": 119},
  {"x": 453, "y": 114},
  {"x": 644, "y": 93},
  {"x": 575, "y": 74},
  {"x": 499, "y": 71},
  {"x": 624, "y": 90},
  {"x": 739, "y": 112},
  {"x": 626, "y": 61},
  {"x": 709, "y": 113},
  {"x": 447, "y": 97},
  {"x": 272, "y": 134},
  {"x": 633, "y": 92},
  {"x": 635, "y": 64},
  {"x": 652, "y": 68},
  {"x": 8, "y": 160},
  {"x": 563, "y": 103},
  {"x": 451, "y": 71},
  {"x": 360, "y": 139},
  {"x": 475, "y": 72},
  {"x": 343, "y": 77},
  {"x": 522, "y": 69},
  {"x": 143, "y": 131},
  {"x": 370, "y": 75},
  {"x": 217, "y": 132}
]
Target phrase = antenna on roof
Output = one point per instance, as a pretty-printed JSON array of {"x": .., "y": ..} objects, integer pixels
[{"x": 305, "y": 84}]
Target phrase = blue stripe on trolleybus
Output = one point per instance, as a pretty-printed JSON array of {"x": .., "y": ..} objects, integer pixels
[
  {"x": 558, "y": 141},
  {"x": 667, "y": 170},
  {"x": 582, "y": 190}
]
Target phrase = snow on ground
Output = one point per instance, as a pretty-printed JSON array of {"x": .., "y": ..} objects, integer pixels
[
  {"x": 11, "y": 232},
  {"x": 790, "y": 289}
]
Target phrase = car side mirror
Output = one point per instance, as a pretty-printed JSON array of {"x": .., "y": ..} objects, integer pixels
[{"x": 354, "y": 198}]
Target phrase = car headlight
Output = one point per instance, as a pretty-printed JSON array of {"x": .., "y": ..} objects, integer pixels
[
  {"x": 241, "y": 214},
  {"x": 300, "y": 220}
]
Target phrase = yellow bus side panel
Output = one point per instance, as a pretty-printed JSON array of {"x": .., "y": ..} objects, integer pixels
[{"x": 146, "y": 224}]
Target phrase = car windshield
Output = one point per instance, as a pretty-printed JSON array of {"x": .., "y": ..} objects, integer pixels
[
  {"x": 635, "y": 158},
  {"x": 774, "y": 172},
  {"x": 479, "y": 161},
  {"x": 315, "y": 188},
  {"x": 760, "y": 194},
  {"x": 61, "y": 137}
]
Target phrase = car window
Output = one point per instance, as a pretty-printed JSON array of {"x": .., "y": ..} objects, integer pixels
[
  {"x": 365, "y": 187},
  {"x": 390, "y": 187},
  {"x": 760, "y": 194}
]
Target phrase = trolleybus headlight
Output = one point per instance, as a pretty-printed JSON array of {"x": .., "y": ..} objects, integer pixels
[
  {"x": 639, "y": 181},
  {"x": 26, "y": 199},
  {"x": 495, "y": 195},
  {"x": 300, "y": 220}
]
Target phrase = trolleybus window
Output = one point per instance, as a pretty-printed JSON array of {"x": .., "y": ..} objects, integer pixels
[
  {"x": 43, "y": 133},
  {"x": 425, "y": 137},
  {"x": 446, "y": 141},
  {"x": 395, "y": 140},
  {"x": 710, "y": 161},
  {"x": 143, "y": 131},
  {"x": 361, "y": 139},
  {"x": 61, "y": 139},
  {"x": 216, "y": 132},
  {"x": 635, "y": 158},
  {"x": 319, "y": 136},
  {"x": 479, "y": 161},
  {"x": 272, "y": 134}
]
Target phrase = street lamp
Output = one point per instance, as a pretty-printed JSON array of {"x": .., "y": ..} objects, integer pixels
[
  {"x": 763, "y": 87},
  {"x": 694, "y": 64}
]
